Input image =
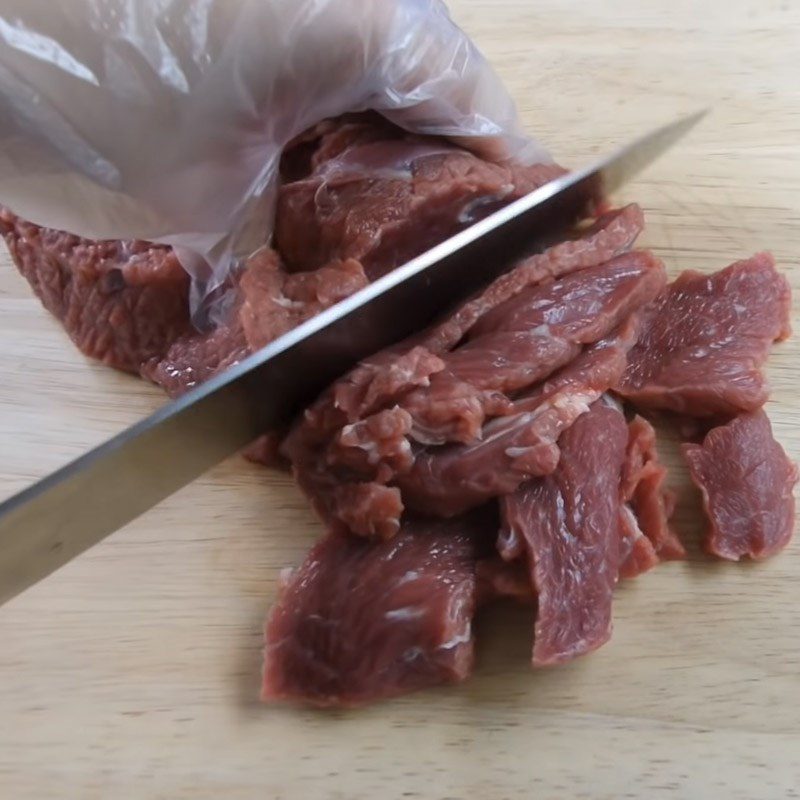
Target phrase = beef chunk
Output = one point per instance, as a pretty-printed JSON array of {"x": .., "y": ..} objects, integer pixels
[
  {"x": 122, "y": 302},
  {"x": 747, "y": 482},
  {"x": 363, "y": 620},
  {"x": 381, "y": 196}
]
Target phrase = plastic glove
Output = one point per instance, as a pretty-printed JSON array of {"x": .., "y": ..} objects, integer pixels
[{"x": 165, "y": 119}]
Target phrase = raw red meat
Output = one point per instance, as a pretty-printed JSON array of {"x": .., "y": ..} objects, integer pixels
[
  {"x": 123, "y": 303},
  {"x": 274, "y": 302},
  {"x": 195, "y": 357},
  {"x": 707, "y": 337},
  {"x": 649, "y": 503},
  {"x": 747, "y": 482},
  {"x": 499, "y": 579},
  {"x": 567, "y": 524},
  {"x": 383, "y": 378},
  {"x": 267, "y": 303},
  {"x": 363, "y": 620},
  {"x": 609, "y": 236},
  {"x": 504, "y": 397},
  {"x": 372, "y": 192},
  {"x": 521, "y": 444},
  {"x": 636, "y": 551},
  {"x": 336, "y": 445},
  {"x": 524, "y": 340}
]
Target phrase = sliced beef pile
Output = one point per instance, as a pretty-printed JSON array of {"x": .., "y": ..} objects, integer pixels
[
  {"x": 506, "y": 402},
  {"x": 497, "y": 454},
  {"x": 443, "y": 430}
]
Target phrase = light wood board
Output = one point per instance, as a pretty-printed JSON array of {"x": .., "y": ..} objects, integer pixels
[{"x": 133, "y": 672}]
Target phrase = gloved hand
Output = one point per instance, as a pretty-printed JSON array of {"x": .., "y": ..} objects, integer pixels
[{"x": 165, "y": 119}]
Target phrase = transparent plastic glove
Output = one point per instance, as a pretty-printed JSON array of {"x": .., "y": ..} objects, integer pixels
[{"x": 165, "y": 119}]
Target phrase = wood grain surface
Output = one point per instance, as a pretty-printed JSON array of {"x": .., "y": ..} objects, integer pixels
[{"x": 134, "y": 671}]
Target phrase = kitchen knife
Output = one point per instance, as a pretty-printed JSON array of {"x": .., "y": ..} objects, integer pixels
[{"x": 51, "y": 522}]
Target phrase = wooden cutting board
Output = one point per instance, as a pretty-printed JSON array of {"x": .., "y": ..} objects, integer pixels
[{"x": 134, "y": 671}]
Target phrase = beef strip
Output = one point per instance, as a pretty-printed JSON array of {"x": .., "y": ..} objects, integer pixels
[
  {"x": 747, "y": 482},
  {"x": 567, "y": 526},
  {"x": 636, "y": 552},
  {"x": 707, "y": 338},
  {"x": 647, "y": 537},
  {"x": 267, "y": 302},
  {"x": 274, "y": 302},
  {"x": 363, "y": 620},
  {"x": 609, "y": 236}
]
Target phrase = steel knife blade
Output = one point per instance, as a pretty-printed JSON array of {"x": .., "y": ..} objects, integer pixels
[{"x": 51, "y": 522}]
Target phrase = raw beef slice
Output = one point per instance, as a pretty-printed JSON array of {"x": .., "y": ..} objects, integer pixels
[
  {"x": 747, "y": 484},
  {"x": 707, "y": 338},
  {"x": 609, "y": 236},
  {"x": 647, "y": 537},
  {"x": 363, "y": 620},
  {"x": 567, "y": 526},
  {"x": 122, "y": 302}
]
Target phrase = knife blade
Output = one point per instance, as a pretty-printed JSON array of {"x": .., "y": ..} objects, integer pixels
[{"x": 51, "y": 522}]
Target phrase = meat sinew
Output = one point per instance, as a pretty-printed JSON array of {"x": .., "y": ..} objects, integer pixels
[
  {"x": 707, "y": 338},
  {"x": 747, "y": 482},
  {"x": 567, "y": 527},
  {"x": 363, "y": 620}
]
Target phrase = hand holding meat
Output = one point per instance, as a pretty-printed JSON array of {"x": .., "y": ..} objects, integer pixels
[{"x": 165, "y": 121}]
